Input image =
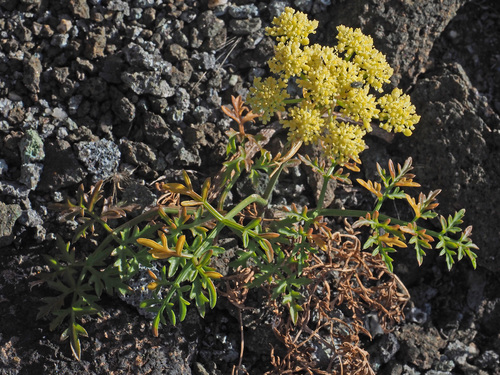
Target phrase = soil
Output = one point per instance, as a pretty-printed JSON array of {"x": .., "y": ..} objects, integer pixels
[{"x": 131, "y": 91}]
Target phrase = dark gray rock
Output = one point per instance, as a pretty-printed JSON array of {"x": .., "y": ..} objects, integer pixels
[
  {"x": 203, "y": 61},
  {"x": 488, "y": 360},
  {"x": 461, "y": 352},
  {"x": 459, "y": 131},
  {"x": 32, "y": 72},
  {"x": 16, "y": 115},
  {"x": 124, "y": 109},
  {"x": 79, "y": 8},
  {"x": 101, "y": 158},
  {"x": 209, "y": 25},
  {"x": 147, "y": 83},
  {"x": 245, "y": 27},
  {"x": 243, "y": 11},
  {"x": 136, "y": 56},
  {"x": 9, "y": 213},
  {"x": 420, "y": 346},
  {"x": 176, "y": 52},
  {"x": 112, "y": 67},
  {"x": 94, "y": 88},
  {"x": 95, "y": 43},
  {"x": 13, "y": 189},
  {"x": 137, "y": 153},
  {"x": 23, "y": 33},
  {"x": 30, "y": 218},
  {"x": 119, "y": 6},
  {"x": 61, "y": 168},
  {"x": 31, "y": 174},
  {"x": 181, "y": 74},
  {"x": 4, "y": 167},
  {"x": 156, "y": 130}
]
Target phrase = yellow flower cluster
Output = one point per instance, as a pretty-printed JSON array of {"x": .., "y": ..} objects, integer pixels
[
  {"x": 398, "y": 114},
  {"x": 268, "y": 96},
  {"x": 305, "y": 122},
  {"x": 343, "y": 141},
  {"x": 291, "y": 27},
  {"x": 353, "y": 42},
  {"x": 333, "y": 80}
]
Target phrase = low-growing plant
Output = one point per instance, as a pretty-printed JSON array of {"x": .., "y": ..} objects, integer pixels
[{"x": 292, "y": 252}]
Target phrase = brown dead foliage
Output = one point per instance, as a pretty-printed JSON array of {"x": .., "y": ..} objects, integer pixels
[{"x": 348, "y": 284}]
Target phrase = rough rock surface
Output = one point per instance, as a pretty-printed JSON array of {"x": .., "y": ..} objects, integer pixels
[{"x": 130, "y": 91}]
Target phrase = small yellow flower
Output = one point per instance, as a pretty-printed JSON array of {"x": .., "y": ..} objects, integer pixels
[
  {"x": 292, "y": 27},
  {"x": 320, "y": 83},
  {"x": 342, "y": 79},
  {"x": 343, "y": 141},
  {"x": 353, "y": 42},
  {"x": 398, "y": 114},
  {"x": 305, "y": 123},
  {"x": 268, "y": 97},
  {"x": 360, "y": 106},
  {"x": 289, "y": 60}
]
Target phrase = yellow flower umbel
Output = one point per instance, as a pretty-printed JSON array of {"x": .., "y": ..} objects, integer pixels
[
  {"x": 336, "y": 82},
  {"x": 305, "y": 123},
  {"x": 398, "y": 114},
  {"x": 268, "y": 97}
]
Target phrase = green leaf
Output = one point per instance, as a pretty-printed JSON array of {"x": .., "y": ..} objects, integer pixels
[
  {"x": 294, "y": 312},
  {"x": 212, "y": 293},
  {"x": 243, "y": 257},
  {"x": 171, "y": 316},
  {"x": 279, "y": 289},
  {"x": 183, "y": 303},
  {"x": 60, "y": 315},
  {"x": 75, "y": 341},
  {"x": 156, "y": 322}
]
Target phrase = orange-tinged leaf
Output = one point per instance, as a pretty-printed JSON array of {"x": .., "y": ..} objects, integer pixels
[
  {"x": 191, "y": 204},
  {"x": 269, "y": 235},
  {"x": 152, "y": 275},
  {"x": 175, "y": 187},
  {"x": 391, "y": 169},
  {"x": 153, "y": 285},
  {"x": 158, "y": 251},
  {"x": 375, "y": 188},
  {"x": 391, "y": 241},
  {"x": 407, "y": 182},
  {"x": 150, "y": 243},
  {"x": 414, "y": 205},
  {"x": 268, "y": 249},
  {"x": 205, "y": 189},
  {"x": 213, "y": 275},
  {"x": 180, "y": 245}
]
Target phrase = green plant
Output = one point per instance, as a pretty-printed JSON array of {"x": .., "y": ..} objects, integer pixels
[{"x": 292, "y": 252}]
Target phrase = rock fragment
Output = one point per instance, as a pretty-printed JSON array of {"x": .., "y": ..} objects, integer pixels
[
  {"x": 32, "y": 72},
  {"x": 101, "y": 158},
  {"x": 9, "y": 213}
]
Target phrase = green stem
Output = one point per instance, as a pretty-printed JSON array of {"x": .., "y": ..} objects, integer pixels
[
  {"x": 362, "y": 213},
  {"x": 227, "y": 221},
  {"x": 293, "y": 101},
  {"x": 272, "y": 182},
  {"x": 326, "y": 178},
  {"x": 227, "y": 189}
]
